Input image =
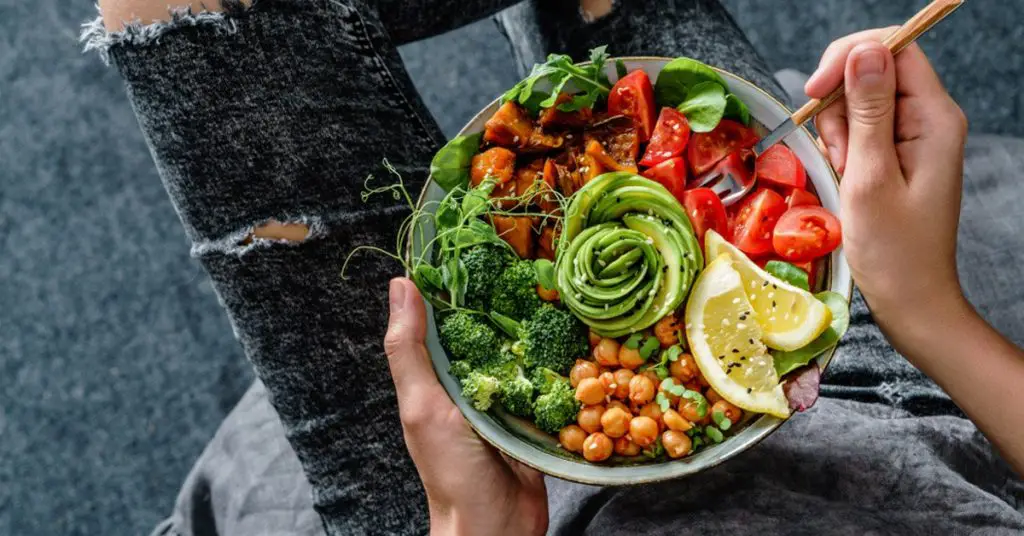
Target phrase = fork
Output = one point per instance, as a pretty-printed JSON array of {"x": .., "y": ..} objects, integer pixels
[{"x": 731, "y": 188}]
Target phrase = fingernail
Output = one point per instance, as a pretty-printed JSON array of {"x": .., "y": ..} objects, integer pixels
[
  {"x": 868, "y": 66},
  {"x": 834, "y": 155},
  {"x": 396, "y": 296}
]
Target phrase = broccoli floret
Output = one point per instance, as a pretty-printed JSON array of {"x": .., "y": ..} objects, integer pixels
[
  {"x": 469, "y": 337},
  {"x": 544, "y": 379},
  {"x": 460, "y": 369},
  {"x": 481, "y": 390},
  {"x": 557, "y": 408},
  {"x": 515, "y": 291},
  {"x": 484, "y": 264},
  {"x": 552, "y": 338},
  {"x": 517, "y": 394}
]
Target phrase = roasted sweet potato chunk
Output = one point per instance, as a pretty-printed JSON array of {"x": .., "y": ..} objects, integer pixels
[
  {"x": 518, "y": 232},
  {"x": 497, "y": 162},
  {"x": 510, "y": 126},
  {"x": 555, "y": 118}
]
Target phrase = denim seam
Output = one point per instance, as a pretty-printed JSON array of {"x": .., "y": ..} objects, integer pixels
[{"x": 427, "y": 140}]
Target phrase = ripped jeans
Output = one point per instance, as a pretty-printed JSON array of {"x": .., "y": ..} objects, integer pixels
[{"x": 279, "y": 111}]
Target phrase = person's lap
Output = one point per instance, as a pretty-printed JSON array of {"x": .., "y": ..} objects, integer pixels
[{"x": 249, "y": 479}]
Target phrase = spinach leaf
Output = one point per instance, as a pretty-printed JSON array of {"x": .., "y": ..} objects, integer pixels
[
  {"x": 677, "y": 78},
  {"x": 545, "y": 273},
  {"x": 788, "y": 273},
  {"x": 450, "y": 166},
  {"x": 735, "y": 109},
  {"x": 786, "y": 362},
  {"x": 704, "y": 106}
]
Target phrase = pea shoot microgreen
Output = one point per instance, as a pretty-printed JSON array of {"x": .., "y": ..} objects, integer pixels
[
  {"x": 721, "y": 420},
  {"x": 702, "y": 403},
  {"x": 633, "y": 342},
  {"x": 714, "y": 434},
  {"x": 650, "y": 345}
]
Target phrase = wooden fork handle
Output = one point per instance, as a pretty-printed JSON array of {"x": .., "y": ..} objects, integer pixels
[{"x": 899, "y": 39}]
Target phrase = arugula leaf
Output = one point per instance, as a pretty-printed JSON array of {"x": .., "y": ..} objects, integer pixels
[
  {"x": 620, "y": 69},
  {"x": 678, "y": 77},
  {"x": 788, "y": 273},
  {"x": 704, "y": 106},
  {"x": 508, "y": 325},
  {"x": 786, "y": 362},
  {"x": 545, "y": 273},
  {"x": 559, "y": 71},
  {"x": 735, "y": 109},
  {"x": 450, "y": 166}
]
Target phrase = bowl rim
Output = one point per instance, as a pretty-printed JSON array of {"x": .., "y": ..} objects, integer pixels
[{"x": 773, "y": 423}]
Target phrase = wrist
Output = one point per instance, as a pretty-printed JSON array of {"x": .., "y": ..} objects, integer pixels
[{"x": 918, "y": 329}]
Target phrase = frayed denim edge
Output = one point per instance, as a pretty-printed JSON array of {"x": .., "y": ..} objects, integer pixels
[{"x": 95, "y": 36}]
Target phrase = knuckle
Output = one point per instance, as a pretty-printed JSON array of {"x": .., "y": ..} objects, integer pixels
[
  {"x": 394, "y": 340},
  {"x": 872, "y": 109}
]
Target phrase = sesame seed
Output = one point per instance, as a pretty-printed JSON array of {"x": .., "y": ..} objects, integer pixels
[
  {"x": 765, "y": 284},
  {"x": 741, "y": 325},
  {"x": 750, "y": 390},
  {"x": 774, "y": 286},
  {"x": 743, "y": 358},
  {"x": 735, "y": 350},
  {"x": 753, "y": 297},
  {"x": 735, "y": 300},
  {"x": 750, "y": 341},
  {"x": 773, "y": 304},
  {"x": 725, "y": 321},
  {"x": 721, "y": 357}
]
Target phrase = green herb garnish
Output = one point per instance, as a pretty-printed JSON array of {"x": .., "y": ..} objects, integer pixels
[
  {"x": 714, "y": 434},
  {"x": 589, "y": 80},
  {"x": 650, "y": 345},
  {"x": 633, "y": 342},
  {"x": 545, "y": 273},
  {"x": 450, "y": 166},
  {"x": 702, "y": 403},
  {"x": 735, "y": 109},
  {"x": 670, "y": 386},
  {"x": 704, "y": 106},
  {"x": 663, "y": 402},
  {"x": 721, "y": 420}
]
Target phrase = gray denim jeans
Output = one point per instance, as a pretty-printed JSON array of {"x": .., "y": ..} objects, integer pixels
[{"x": 280, "y": 111}]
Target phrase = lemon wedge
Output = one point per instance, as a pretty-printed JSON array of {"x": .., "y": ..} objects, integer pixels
[
  {"x": 725, "y": 340},
  {"x": 790, "y": 317}
]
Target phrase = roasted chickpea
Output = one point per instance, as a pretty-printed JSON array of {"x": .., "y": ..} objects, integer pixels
[
  {"x": 667, "y": 330},
  {"x": 693, "y": 385},
  {"x": 606, "y": 353},
  {"x": 677, "y": 444},
  {"x": 630, "y": 358},
  {"x": 712, "y": 396},
  {"x": 673, "y": 399},
  {"x": 582, "y": 369},
  {"x": 608, "y": 382},
  {"x": 571, "y": 437},
  {"x": 594, "y": 338},
  {"x": 589, "y": 418},
  {"x": 674, "y": 421},
  {"x": 731, "y": 412},
  {"x": 652, "y": 410},
  {"x": 597, "y": 447},
  {"x": 703, "y": 381},
  {"x": 590, "y": 391},
  {"x": 546, "y": 294},
  {"x": 643, "y": 430},
  {"x": 622, "y": 379},
  {"x": 626, "y": 447},
  {"x": 620, "y": 405},
  {"x": 653, "y": 376},
  {"x": 615, "y": 422},
  {"x": 688, "y": 409},
  {"x": 641, "y": 389},
  {"x": 684, "y": 369}
]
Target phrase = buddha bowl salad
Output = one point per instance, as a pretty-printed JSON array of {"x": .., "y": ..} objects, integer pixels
[{"x": 580, "y": 284}]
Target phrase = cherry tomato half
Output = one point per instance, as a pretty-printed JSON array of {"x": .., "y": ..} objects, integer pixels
[
  {"x": 669, "y": 138},
  {"x": 633, "y": 97},
  {"x": 806, "y": 233},
  {"x": 755, "y": 220},
  {"x": 671, "y": 174},
  {"x": 799, "y": 198},
  {"x": 707, "y": 148},
  {"x": 706, "y": 211},
  {"x": 778, "y": 166}
]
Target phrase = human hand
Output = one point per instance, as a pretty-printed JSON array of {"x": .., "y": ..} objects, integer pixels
[
  {"x": 471, "y": 488},
  {"x": 898, "y": 138}
]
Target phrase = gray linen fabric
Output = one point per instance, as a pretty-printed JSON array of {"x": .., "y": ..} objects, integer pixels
[{"x": 280, "y": 110}]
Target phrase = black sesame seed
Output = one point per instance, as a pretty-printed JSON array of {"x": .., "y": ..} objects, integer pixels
[
  {"x": 735, "y": 350},
  {"x": 773, "y": 304},
  {"x": 750, "y": 341},
  {"x": 721, "y": 357},
  {"x": 727, "y": 371},
  {"x": 750, "y": 390},
  {"x": 618, "y": 199},
  {"x": 775, "y": 286},
  {"x": 765, "y": 284},
  {"x": 743, "y": 358}
]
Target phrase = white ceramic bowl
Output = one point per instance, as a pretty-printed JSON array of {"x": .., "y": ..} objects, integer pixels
[{"x": 522, "y": 441}]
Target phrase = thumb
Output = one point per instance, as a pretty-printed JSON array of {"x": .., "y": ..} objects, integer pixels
[
  {"x": 403, "y": 344},
  {"x": 871, "y": 107}
]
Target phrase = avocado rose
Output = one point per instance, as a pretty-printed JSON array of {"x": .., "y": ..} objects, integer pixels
[{"x": 627, "y": 254}]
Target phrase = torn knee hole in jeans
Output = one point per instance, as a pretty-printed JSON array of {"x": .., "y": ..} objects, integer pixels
[
  {"x": 278, "y": 231},
  {"x": 591, "y": 10},
  {"x": 271, "y": 232}
]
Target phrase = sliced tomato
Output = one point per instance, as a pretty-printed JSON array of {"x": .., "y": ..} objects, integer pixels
[
  {"x": 671, "y": 174},
  {"x": 755, "y": 220},
  {"x": 706, "y": 211},
  {"x": 806, "y": 233},
  {"x": 669, "y": 138},
  {"x": 633, "y": 96},
  {"x": 778, "y": 166},
  {"x": 707, "y": 148},
  {"x": 799, "y": 198}
]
